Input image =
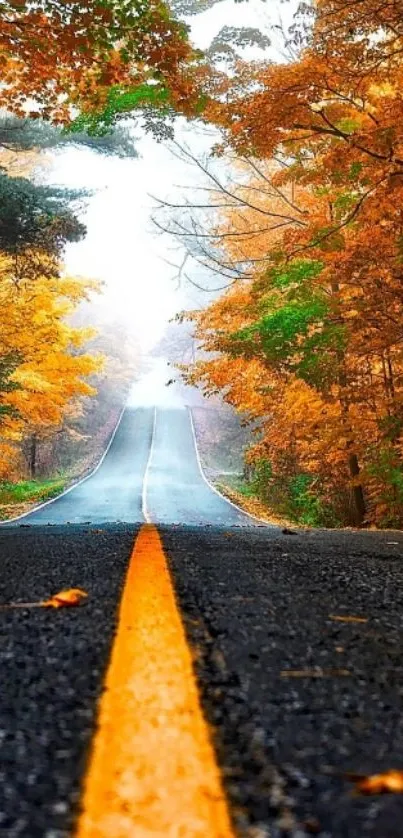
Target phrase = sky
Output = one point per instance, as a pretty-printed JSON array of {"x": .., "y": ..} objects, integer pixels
[{"x": 122, "y": 248}]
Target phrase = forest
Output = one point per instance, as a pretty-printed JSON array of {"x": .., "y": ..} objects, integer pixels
[{"x": 304, "y": 232}]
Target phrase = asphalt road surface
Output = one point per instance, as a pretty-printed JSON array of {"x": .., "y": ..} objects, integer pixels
[
  {"x": 151, "y": 472},
  {"x": 296, "y": 700}
]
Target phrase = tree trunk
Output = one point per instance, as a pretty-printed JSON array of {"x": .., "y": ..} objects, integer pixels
[
  {"x": 32, "y": 456},
  {"x": 357, "y": 492}
]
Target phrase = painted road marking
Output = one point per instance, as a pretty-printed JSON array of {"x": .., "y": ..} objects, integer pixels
[
  {"x": 152, "y": 772},
  {"x": 144, "y": 505}
]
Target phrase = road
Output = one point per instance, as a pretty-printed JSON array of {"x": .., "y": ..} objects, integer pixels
[
  {"x": 294, "y": 699},
  {"x": 151, "y": 472}
]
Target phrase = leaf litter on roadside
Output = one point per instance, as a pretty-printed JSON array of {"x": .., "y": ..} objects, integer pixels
[
  {"x": 66, "y": 598},
  {"x": 69, "y": 597}
]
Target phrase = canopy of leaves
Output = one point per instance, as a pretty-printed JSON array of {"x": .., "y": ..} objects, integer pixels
[
  {"x": 120, "y": 102},
  {"x": 56, "y": 54}
]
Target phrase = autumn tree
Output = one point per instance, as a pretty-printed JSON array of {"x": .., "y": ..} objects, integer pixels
[
  {"x": 44, "y": 370},
  {"x": 104, "y": 57},
  {"x": 323, "y": 316}
]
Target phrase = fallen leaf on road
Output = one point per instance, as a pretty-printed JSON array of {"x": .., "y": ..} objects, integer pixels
[
  {"x": 391, "y": 782},
  {"x": 314, "y": 673},
  {"x": 346, "y": 619},
  {"x": 72, "y": 596},
  {"x": 69, "y": 597}
]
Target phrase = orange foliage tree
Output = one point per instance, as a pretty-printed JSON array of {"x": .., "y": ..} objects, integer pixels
[
  {"x": 317, "y": 303},
  {"x": 103, "y": 56}
]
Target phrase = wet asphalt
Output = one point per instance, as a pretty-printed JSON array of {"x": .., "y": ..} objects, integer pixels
[
  {"x": 114, "y": 491},
  {"x": 296, "y": 701},
  {"x": 176, "y": 491},
  {"x": 152, "y": 446}
]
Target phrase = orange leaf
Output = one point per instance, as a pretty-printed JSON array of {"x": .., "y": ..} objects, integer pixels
[
  {"x": 72, "y": 596},
  {"x": 391, "y": 782}
]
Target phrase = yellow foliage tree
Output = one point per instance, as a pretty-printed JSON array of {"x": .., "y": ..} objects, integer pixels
[{"x": 44, "y": 367}]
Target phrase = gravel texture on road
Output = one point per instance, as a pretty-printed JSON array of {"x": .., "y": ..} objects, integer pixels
[
  {"x": 257, "y": 606},
  {"x": 52, "y": 664},
  {"x": 296, "y": 700}
]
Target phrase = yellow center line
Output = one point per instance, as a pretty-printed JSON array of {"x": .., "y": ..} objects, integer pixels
[{"x": 152, "y": 770}]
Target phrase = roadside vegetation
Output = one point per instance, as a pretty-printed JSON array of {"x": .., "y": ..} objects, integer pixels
[
  {"x": 30, "y": 490},
  {"x": 15, "y": 498}
]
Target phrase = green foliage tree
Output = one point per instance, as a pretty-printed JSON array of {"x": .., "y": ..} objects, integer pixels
[
  {"x": 23, "y": 134},
  {"x": 36, "y": 222}
]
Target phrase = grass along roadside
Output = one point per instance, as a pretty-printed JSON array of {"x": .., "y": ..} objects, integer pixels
[{"x": 17, "y": 498}]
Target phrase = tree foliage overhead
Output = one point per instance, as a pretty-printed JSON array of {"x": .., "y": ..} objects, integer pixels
[{"x": 55, "y": 54}]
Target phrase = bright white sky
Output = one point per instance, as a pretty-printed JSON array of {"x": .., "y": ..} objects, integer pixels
[{"x": 121, "y": 247}]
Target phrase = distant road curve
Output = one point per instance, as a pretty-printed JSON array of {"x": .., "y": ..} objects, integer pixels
[{"x": 151, "y": 472}]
